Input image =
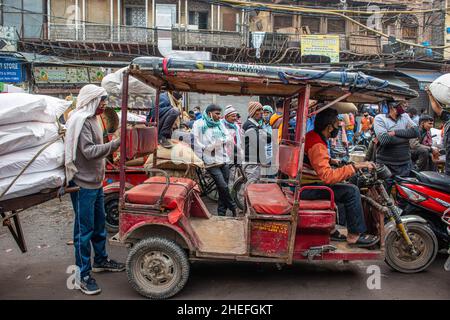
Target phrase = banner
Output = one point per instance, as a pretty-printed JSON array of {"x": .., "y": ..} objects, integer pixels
[
  {"x": 10, "y": 70},
  {"x": 321, "y": 45},
  {"x": 68, "y": 75}
]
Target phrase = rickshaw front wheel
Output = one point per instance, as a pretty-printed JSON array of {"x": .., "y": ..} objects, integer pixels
[
  {"x": 157, "y": 268},
  {"x": 398, "y": 255}
]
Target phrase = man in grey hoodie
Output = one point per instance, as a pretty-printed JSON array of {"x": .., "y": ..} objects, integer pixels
[{"x": 85, "y": 168}]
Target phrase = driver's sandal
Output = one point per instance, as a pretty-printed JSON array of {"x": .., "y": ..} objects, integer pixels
[{"x": 365, "y": 241}]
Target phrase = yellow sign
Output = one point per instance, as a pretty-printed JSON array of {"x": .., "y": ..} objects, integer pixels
[{"x": 322, "y": 45}]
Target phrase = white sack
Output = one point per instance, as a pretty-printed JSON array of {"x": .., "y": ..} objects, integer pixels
[
  {"x": 32, "y": 183},
  {"x": 21, "y": 107},
  {"x": 19, "y": 136},
  {"x": 133, "y": 117},
  {"x": 440, "y": 89},
  {"x": 51, "y": 158}
]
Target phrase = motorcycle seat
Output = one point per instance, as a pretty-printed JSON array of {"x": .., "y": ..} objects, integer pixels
[{"x": 435, "y": 179}]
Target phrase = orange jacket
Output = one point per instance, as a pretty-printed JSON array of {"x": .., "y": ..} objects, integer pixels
[
  {"x": 317, "y": 166},
  {"x": 276, "y": 121}
]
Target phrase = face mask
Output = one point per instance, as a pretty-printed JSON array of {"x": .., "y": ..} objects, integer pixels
[
  {"x": 266, "y": 118},
  {"x": 334, "y": 133},
  {"x": 400, "y": 110}
]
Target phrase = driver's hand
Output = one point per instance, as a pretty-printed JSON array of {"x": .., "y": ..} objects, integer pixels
[
  {"x": 335, "y": 162},
  {"x": 365, "y": 165}
]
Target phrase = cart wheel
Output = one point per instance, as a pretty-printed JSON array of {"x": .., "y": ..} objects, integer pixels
[
  {"x": 157, "y": 268},
  {"x": 237, "y": 192},
  {"x": 112, "y": 212},
  {"x": 398, "y": 256}
]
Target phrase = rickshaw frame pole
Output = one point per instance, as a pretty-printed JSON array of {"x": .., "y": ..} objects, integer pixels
[
  {"x": 345, "y": 96},
  {"x": 123, "y": 136},
  {"x": 302, "y": 116},
  {"x": 156, "y": 122}
]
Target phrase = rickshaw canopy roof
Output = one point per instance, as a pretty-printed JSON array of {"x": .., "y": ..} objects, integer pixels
[{"x": 260, "y": 80}]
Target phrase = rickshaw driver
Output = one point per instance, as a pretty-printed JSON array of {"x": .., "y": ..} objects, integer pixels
[{"x": 318, "y": 171}]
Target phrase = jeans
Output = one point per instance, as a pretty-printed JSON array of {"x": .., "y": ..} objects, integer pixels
[
  {"x": 166, "y": 122},
  {"x": 221, "y": 175},
  {"x": 89, "y": 228},
  {"x": 348, "y": 200}
]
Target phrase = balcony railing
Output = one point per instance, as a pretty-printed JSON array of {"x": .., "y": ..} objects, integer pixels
[
  {"x": 101, "y": 32},
  {"x": 200, "y": 38}
]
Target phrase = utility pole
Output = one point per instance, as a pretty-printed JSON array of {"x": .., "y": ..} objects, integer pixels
[{"x": 446, "y": 30}]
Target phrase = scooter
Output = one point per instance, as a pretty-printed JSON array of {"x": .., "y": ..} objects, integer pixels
[{"x": 427, "y": 195}]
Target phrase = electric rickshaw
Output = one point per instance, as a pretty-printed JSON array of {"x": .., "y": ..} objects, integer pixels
[{"x": 166, "y": 225}]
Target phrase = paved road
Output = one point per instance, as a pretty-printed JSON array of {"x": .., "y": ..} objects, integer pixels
[{"x": 41, "y": 272}]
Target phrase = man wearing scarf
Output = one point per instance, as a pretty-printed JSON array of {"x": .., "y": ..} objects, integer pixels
[
  {"x": 211, "y": 142},
  {"x": 230, "y": 122},
  {"x": 85, "y": 155}
]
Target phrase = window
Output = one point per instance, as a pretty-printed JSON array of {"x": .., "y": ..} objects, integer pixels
[
  {"x": 199, "y": 18},
  {"x": 135, "y": 16},
  {"x": 280, "y": 22},
  {"x": 27, "y": 18},
  {"x": 312, "y": 23},
  {"x": 409, "y": 32},
  {"x": 336, "y": 26}
]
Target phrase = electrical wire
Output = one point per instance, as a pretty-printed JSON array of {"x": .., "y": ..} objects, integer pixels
[{"x": 278, "y": 7}]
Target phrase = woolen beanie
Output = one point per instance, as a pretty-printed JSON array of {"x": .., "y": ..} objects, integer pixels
[
  {"x": 253, "y": 106},
  {"x": 229, "y": 110}
]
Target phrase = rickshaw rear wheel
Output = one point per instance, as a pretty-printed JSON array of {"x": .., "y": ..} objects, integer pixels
[
  {"x": 157, "y": 268},
  {"x": 112, "y": 212},
  {"x": 398, "y": 256}
]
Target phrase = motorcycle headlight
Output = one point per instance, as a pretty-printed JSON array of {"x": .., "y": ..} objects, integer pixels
[{"x": 412, "y": 195}]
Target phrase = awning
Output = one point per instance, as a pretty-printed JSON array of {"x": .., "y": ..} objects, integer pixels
[{"x": 421, "y": 75}]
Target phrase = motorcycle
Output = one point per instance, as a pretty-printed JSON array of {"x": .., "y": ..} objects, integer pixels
[
  {"x": 364, "y": 138},
  {"x": 427, "y": 195},
  {"x": 446, "y": 220},
  {"x": 410, "y": 244}
]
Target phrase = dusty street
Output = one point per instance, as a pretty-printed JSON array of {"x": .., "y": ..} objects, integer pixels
[{"x": 41, "y": 272}]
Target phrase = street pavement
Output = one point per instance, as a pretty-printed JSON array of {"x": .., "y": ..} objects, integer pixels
[{"x": 41, "y": 272}]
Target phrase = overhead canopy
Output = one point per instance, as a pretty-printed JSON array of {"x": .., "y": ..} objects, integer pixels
[
  {"x": 261, "y": 80},
  {"x": 424, "y": 77}
]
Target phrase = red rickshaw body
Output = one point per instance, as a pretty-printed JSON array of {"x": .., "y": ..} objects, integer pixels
[{"x": 277, "y": 226}]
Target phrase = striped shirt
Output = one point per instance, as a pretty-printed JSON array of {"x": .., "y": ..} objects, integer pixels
[{"x": 394, "y": 150}]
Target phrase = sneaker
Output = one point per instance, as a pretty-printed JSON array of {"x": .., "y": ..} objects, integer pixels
[
  {"x": 108, "y": 265},
  {"x": 89, "y": 286},
  {"x": 165, "y": 143}
]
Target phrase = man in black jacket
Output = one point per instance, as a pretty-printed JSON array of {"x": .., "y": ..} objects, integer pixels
[{"x": 255, "y": 139}]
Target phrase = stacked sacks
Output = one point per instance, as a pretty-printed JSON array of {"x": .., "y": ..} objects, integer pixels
[{"x": 29, "y": 130}]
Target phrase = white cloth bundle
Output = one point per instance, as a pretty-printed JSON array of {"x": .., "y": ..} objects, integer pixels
[
  {"x": 51, "y": 158},
  {"x": 19, "y": 136},
  {"x": 32, "y": 183},
  {"x": 21, "y": 107}
]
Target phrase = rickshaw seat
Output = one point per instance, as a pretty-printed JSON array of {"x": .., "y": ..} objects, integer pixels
[
  {"x": 267, "y": 198},
  {"x": 150, "y": 192},
  {"x": 289, "y": 157},
  {"x": 141, "y": 140}
]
